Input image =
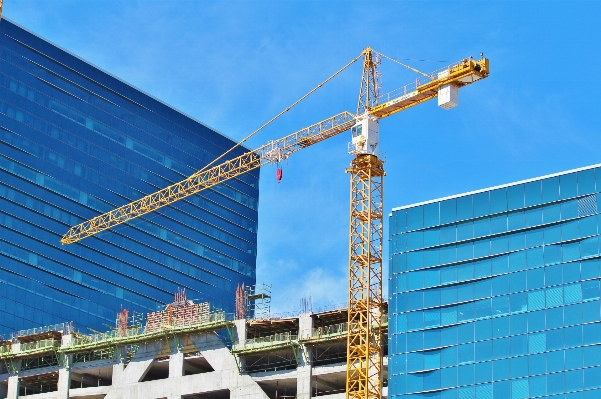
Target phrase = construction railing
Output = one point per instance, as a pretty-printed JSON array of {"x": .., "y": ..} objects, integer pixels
[
  {"x": 329, "y": 331},
  {"x": 271, "y": 340},
  {"x": 39, "y": 345},
  {"x": 106, "y": 353},
  {"x": 98, "y": 338},
  {"x": 5, "y": 349},
  {"x": 134, "y": 334},
  {"x": 64, "y": 328}
]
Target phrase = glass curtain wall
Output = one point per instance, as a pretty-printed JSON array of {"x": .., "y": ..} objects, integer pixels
[
  {"x": 76, "y": 142},
  {"x": 495, "y": 294}
]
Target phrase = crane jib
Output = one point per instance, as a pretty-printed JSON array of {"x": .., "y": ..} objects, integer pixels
[{"x": 460, "y": 74}]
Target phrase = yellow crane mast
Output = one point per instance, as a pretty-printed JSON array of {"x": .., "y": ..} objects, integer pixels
[
  {"x": 364, "y": 339},
  {"x": 364, "y": 336}
]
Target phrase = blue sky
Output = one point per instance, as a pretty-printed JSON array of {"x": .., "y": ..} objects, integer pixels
[{"x": 234, "y": 65}]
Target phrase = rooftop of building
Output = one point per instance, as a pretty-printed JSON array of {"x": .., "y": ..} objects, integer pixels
[{"x": 496, "y": 187}]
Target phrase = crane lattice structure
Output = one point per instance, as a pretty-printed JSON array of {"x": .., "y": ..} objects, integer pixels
[{"x": 364, "y": 340}]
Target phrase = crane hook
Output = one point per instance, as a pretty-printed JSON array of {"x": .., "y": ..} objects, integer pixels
[{"x": 278, "y": 174}]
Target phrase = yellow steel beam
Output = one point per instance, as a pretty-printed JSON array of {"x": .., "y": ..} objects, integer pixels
[{"x": 274, "y": 151}]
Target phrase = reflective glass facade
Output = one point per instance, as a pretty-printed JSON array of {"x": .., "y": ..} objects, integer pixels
[
  {"x": 495, "y": 293},
  {"x": 75, "y": 142}
]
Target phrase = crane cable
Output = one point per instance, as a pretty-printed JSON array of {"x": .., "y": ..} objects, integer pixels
[
  {"x": 281, "y": 113},
  {"x": 405, "y": 65}
]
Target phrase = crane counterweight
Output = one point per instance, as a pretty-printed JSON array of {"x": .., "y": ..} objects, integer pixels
[{"x": 448, "y": 96}]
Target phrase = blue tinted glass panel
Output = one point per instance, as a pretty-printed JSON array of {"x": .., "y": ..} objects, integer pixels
[
  {"x": 569, "y": 210},
  {"x": 431, "y": 215},
  {"x": 534, "y": 217},
  {"x": 515, "y": 197},
  {"x": 415, "y": 218},
  {"x": 551, "y": 213},
  {"x": 533, "y": 193},
  {"x": 481, "y": 204},
  {"x": 481, "y": 227},
  {"x": 465, "y": 231},
  {"x": 498, "y": 200},
  {"x": 498, "y": 224},
  {"x": 464, "y": 208},
  {"x": 586, "y": 182},
  {"x": 448, "y": 234},
  {"x": 588, "y": 226},
  {"x": 516, "y": 220},
  {"x": 401, "y": 220},
  {"x": 448, "y": 211},
  {"x": 567, "y": 186},
  {"x": 550, "y": 189}
]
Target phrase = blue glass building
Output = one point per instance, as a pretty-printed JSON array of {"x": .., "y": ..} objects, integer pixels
[
  {"x": 75, "y": 142},
  {"x": 495, "y": 293}
]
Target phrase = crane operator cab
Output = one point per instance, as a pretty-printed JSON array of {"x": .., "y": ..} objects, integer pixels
[{"x": 365, "y": 136}]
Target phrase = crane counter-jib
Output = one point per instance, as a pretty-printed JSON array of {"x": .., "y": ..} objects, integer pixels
[{"x": 458, "y": 75}]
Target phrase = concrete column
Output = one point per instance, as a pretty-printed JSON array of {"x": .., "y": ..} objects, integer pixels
[
  {"x": 240, "y": 339},
  {"x": 13, "y": 387},
  {"x": 119, "y": 367},
  {"x": 14, "y": 366},
  {"x": 240, "y": 331},
  {"x": 304, "y": 369},
  {"x": 64, "y": 377},
  {"x": 305, "y": 325},
  {"x": 176, "y": 358}
]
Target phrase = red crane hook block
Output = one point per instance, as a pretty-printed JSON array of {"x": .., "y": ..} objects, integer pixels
[{"x": 278, "y": 175}]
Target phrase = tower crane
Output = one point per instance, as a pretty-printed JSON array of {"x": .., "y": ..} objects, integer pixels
[{"x": 364, "y": 337}]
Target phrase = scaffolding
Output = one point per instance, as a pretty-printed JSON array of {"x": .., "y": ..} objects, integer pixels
[{"x": 258, "y": 301}]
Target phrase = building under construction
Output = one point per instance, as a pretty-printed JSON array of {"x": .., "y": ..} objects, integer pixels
[{"x": 185, "y": 350}]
